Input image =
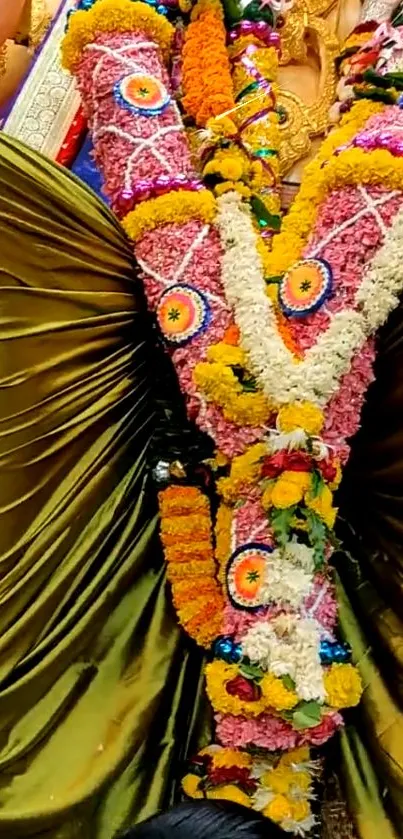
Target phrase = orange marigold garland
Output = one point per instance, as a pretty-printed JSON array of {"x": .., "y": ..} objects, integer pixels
[
  {"x": 187, "y": 540},
  {"x": 206, "y": 69}
]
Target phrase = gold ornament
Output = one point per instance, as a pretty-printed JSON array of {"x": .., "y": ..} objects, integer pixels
[
  {"x": 40, "y": 22},
  {"x": 300, "y": 122}
]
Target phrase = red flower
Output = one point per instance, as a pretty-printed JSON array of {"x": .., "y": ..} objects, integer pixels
[
  {"x": 232, "y": 775},
  {"x": 278, "y": 463},
  {"x": 244, "y": 689},
  {"x": 328, "y": 469}
]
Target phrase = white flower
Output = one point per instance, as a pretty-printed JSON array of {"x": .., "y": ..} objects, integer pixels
[
  {"x": 300, "y": 555},
  {"x": 299, "y": 828},
  {"x": 288, "y": 646},
  {"x": 285, "y": 582},
  {"x": 262, "y": 798}
]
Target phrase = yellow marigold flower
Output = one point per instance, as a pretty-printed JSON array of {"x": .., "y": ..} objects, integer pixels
[
  {"x": 218, "y": 673},
  {"x": 245, "y": 470},
  {"x": 247, "y": 409},
  {"x": 343, "y": 686},
  {"x": 190, "y": 786},
  {"x": 226, "y": 354},
  {"x": 233, "y": 186},
  {"x": 276, "y": 694},
  {"x": 221, "y": 127},
  {"x": 247, "y": 465},
  {"x": 278, "y": 780},
  {"x": 174, "y": 207},
  {"x": 302, "y": 780},
  {"x": 185, "y": 6},
  {"x": 230, "y": 792},
  {"x": 267, "y": 497},
  {"x": 336, "y": 483},
  {"x": 113, "y": 16},
  {"x": 321, "y": 504},
  {"x": 230, "y": 165},
  {"x": 223, "y": 538},
  {"x": 231, "y": 757},
  {"x": 300, "y": 415},
  {"x": 300, "y": 755},
  {"x": 279, "y": 809},
  {"x": 289, "y": 489},
  {"x": 300, "y": 810},
  {"x": 220, "y": 459}
]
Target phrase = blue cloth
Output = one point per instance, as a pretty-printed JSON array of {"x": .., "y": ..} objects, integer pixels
[{"x": 85, "y": 169}]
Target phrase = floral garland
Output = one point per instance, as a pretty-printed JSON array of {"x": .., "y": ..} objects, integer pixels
[
  {"x": 278, "y": 676},
  {"x": 188, "y": 548},
  {"x": 317, "y": 377},
  {"x": 206, "y": 73}
]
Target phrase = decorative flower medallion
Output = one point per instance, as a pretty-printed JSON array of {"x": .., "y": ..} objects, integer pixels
[
  {"x": 182, "y": 313},
  {"x": 305, "y": 287},
  {"x": 142, "y": 94},
  {"x": 246, "y": 572}
]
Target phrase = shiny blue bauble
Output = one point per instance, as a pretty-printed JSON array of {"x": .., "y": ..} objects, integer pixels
[
  {"x": 332, "y": 652},
  {"x": 225, "y": 648}
]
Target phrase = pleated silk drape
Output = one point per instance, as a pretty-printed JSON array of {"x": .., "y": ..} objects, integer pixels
[{"x": 99, "y": 691}]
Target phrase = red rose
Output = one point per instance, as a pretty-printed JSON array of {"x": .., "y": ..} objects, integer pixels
[{"x": 244, "y": 689}]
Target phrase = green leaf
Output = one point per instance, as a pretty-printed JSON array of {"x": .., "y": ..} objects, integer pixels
[
  {"x": 264, "y": 217},
  {"x": 317, "y": 536},
  {"x": 251, "y": 672},
  {"x": 307, "y": 715},
  {"x": 280, "y": 521},
  {"x": 288, "y": 682},
  {"x": 317, "y": 483}
]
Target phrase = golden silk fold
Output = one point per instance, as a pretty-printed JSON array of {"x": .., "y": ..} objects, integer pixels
[{"x": 99, "y": 690}]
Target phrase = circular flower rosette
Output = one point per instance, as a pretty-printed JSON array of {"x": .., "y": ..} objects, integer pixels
[
  {"x": 305, "y": 287},
  {"x": 246, "y": 573},
  {"x": 142, "y": 94},
  {"x": 182, "y": 313}
]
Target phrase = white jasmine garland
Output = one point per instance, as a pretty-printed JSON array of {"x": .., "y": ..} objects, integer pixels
[
  {"x": 317, "y": 377},
  {"x": 288, "y": 646}
]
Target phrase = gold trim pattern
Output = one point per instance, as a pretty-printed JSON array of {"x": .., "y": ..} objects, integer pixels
[{"x": 303, "y": 29}]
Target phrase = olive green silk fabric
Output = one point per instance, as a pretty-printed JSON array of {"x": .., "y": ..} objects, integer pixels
[
  {"x": 371, "y": 597},
  {"x": 99, "y": 690}
]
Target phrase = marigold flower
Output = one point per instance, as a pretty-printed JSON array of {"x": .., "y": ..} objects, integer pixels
[
  {"x": 279, "y": 809},
  {"x": 300, "y": 415},
  {"x": 300, "y": 810},
  {"x": 321, "y": 504},
  {"x": 231, "y": 757},
  {"x": 289, "y": 489},
  {"x": 343, "y": 686},
  {"x": 277, "y": 696}
]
